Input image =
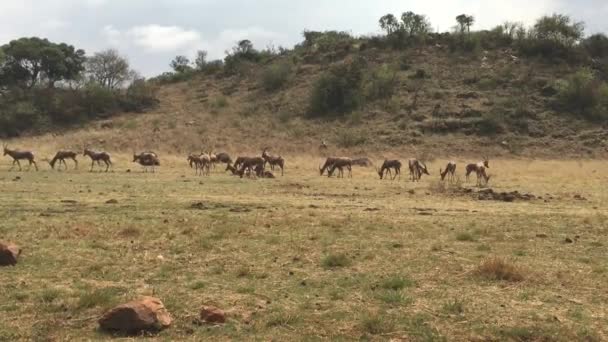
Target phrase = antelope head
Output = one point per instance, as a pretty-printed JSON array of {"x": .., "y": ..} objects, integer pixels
[{"x": 486, "y": 162}]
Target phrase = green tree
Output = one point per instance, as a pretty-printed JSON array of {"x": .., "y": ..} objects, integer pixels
[
  {"x": 465, "y": 22},
  {"x": 415, "y": 24},
  {"x": 558, "y": 28},
  {"x": 181, "y": 64},
  {"x": 389, "y": 23},
  {"x": 200, "y": 61},
  {"x": 108, "y": 68},
  {"x": 31, "y": 61}
]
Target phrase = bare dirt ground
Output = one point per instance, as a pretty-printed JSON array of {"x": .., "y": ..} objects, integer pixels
[{"x": 305, "y": 257}]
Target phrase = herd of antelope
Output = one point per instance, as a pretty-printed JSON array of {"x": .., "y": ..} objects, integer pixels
[{"x": 255, "y": 166}]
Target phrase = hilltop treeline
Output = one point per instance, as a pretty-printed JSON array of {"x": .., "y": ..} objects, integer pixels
[
  {"x": 45, "y": 84},
  {"x": 346, "y": 87}
]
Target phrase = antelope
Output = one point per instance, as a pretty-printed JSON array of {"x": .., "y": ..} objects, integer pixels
[
  {"x": 234, "y": 170},
  {"x": 340, "y": 164},
  {"x": 474, "y": 167},
  {"x": 364, "y": 162},
  {"x": 387, "y": 166},
  {"x": 450, "y": 171},
  {"x": 417, "y": 169},
  {"x": 259, "y": 171},
  {"x": 98, "y": 157},
  {"x": 330, "y": 161},
  {"x": 273, "y": 160},
  {"x": 61, "y": 156},
  {"x": 20, "y": 155},
  {"x": 323, "y": 145},
  {"x": 213, "y": 159},
  {"x": 201, "y": 162},
  {"x": 250, "y": 164},
  {"x": 223, "y": 157},
  {"x": 146, "y": 159}
]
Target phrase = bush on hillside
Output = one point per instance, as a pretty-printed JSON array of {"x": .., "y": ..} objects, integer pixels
[
  {"x": 584, "y": 94},
  {"x": 337, "y": 91},
  {"x": 275, "y": 76},
  {"x": 382, "y": 83}
]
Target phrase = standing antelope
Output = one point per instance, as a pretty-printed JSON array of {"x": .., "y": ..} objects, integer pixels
[
  {"x": 340, "y": 164},
  {"x": 20, "y": 155},
  {"x": 61, "y": 156},
  {"x": 387, "y": 166},
  {"x": 147, "y": 159},
  {"x": 474, "y": 167},
  {"x": 417, "y": 169},
  {"x": 450, "y": 171},
  {"x": 98, "y": 157},
  {"x": 273, "y": 160}
]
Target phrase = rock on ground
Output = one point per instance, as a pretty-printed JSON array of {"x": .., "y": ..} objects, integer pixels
[
  {"x": 146, "y": 314},
  {"x": 211, "y": 314},
  {"x": 9, "y": 254}
]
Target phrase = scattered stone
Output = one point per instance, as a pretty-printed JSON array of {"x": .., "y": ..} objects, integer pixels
[
  {"x": 468, "y": 95},
  {"x": 239, "y": 210},
  {"x": 146, "y": 314},
  {"x": 541, "y": 236},
  {"x": 128, "y": 171},
  {"x": 371, "y": 209},
  {"x": 579, "y": 197},
  {"x": 491, "y": 195},
  {"x": 313, "y": 206},
  {"x": 199, "y": 206},
  {"x": 568, "y": 240},
  {"x": 212, "y": 315},
  {"x": 112, "y": 201},
  {"x": 9, "y": 254},
  {"x": 411, "y": 192},
  {"x": 69, "y": 201},
  {"x": 18, "y": 178}
]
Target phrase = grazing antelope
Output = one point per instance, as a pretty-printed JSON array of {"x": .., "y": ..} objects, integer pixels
[
  {"x": 61, "y": 156},
  {"x": 474, "y": 167},
  {"x": 340, "y": 164},
  {"x": 98, "y": 157},
  {"x": 250, "y": 164},
  {"x": 387, "y": 166},
  {"x": 273, "y": 160},
  {"x": 20, "y": 155},
  {"x": 147, "y": 159},
  {"x": 234, "y": 170},
  {"x": 330, "y": 161},
  {"x": 450, "y": 171},
  {"x": 417, "y": 169}
]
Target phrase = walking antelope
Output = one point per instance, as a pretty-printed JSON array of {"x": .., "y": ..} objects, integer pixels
[
  {"x": 61, "y": 156},
  {"x": 450, "y": 171},
  {"x": 273, "y": 160},
  {"x": 340, "y": 164},
  {"x": 387, "y": 166},
  {"x": 474, "y": 167},
  {"x": 417, "y": 169},
  {"x": 20, "y": 155},
  {"x": 98, "y": 157},
  {"x": 147, "y": 159}
]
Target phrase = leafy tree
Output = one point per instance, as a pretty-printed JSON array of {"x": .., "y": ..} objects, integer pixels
[
  {"x": 181, "y": 64},
  {"x": 31, "y": 61},
  {"x": 108, "y": 69},
  {"x": 415, "y": 24},
  {"x": 559, "y": 28},
  {"x": 201, "y": 60},
  {"x": 465, "y": 22},
  {"x": 389, "y": 23},
  {"x": 597, "y": 45}
]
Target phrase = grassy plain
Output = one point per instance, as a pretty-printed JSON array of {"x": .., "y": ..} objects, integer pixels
[{"x": 305, "y": 257}]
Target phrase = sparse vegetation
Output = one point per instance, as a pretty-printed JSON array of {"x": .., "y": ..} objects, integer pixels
[
  {"x": 274, "y": 77},
  {"x": 499, "y": 269}
]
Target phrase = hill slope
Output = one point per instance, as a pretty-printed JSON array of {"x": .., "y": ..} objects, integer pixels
[{"x": 443, "y": 103}]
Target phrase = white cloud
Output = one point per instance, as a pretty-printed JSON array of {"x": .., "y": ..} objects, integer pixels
[
  {"x": 163, "y": 38},
  {"x": 54, "y": 24}
]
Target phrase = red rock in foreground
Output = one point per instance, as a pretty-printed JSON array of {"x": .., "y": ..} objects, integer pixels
[
  {"x": 147, "y": 314},
  {"x": 9, "y": 254}
]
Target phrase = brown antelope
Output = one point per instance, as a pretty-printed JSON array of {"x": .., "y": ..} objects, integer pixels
[
  {"x": 61, "y": 156},
  {"x": 147, "y": 159},
  {"x": 234, "y": 170},
  {"x": 98, "y": 157},
  {"x": 340, "y": 164},
  {"x": 474, "y": 167},
  {"x": 417, "y": 169},
  {"x": 330, "y": 161},
  {"x": 250, "y": 164},
  {"x": 450, "y": 171},
  {"x": 364, "y": 162},
  {"x": 323, "y": 146},
  {"x": 259, "y": 171},
  {"x": 387, "y": 166},
  {"x": 273, "y": 160},
  {"x": 20, "y": 155},
  {"x": 202, "y": 163},
  {"x": 223, "y": 158}
]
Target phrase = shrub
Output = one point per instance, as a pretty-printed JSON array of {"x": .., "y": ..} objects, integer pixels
[
  {"x": 597, "y": 45},
  {"x": 490, "y": 124},
  {"x": 499, "y": 269},
  {"x": 335, "y": 261},
  {"x": 139, "y": 96},
  {"x": 275, "y": 76},
  {"x": 349, "y": 138},
  {"x": 584, "y": 93},
  {"x": 337, "y": 91},
  {"x": 382, "y": 83}
]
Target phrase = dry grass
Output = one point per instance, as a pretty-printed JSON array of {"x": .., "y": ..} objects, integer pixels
[
  {"x": 499, "y": 269},
  {"x": 305, "y": 253}
]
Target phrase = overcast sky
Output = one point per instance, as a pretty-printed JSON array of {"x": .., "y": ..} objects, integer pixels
[{"x": 151, "y": 32}]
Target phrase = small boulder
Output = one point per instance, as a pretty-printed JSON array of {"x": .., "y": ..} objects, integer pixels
[
  {"x": 9, "y": 254},
  {"x": 146, "y": 314},
  {"x": 212, "y": 315}
]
